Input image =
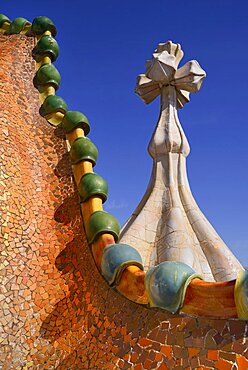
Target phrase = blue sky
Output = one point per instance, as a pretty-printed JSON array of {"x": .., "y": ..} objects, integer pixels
[{"x": 104, "y": 45}]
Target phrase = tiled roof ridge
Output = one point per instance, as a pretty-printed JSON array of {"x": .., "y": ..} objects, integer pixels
[
  {"x": 102, "y": 229},
  {"x": 120, "y": 264}
]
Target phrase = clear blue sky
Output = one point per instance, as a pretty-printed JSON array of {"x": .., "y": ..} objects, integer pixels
[{"x": 104, "y": 46}]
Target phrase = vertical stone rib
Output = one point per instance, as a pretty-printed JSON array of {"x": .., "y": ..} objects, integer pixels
[{"x": 223, "y": 263}]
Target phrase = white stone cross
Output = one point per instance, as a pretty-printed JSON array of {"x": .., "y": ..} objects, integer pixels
[
  {"x": 167, "y": 224},
  {"x": 161, "y": 71}
]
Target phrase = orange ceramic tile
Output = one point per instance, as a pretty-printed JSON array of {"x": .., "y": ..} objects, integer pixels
[
  {"x": 166, "y": 350},
  {"x": 242, "y": 362},
  {"x": 193, "y": 351},
  {"x": 143, "y": 342},
  {"x": 213, "y": 355},
  {"x": 223, "y": 365}
]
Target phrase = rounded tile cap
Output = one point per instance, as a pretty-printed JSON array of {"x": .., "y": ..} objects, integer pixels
[
  {"x": 101, "y": 222},
  {"x": 4, "y": 19},
  {"x": 42, "y": 24},
  {"x": 83, "y": 149},
  {"x": 166, "y": 284},
  {"x": 241, "y": 294},
  {"x": 52, "y": 104},
  {"x": 46, "y": 46},
  {"x": 18, "y": 25},
  {"x": 115, "y": 258},
  {"x": 92, "y": 184},
  {"x": 47, "y": 75},
  {"x": 74, "y": 119}
]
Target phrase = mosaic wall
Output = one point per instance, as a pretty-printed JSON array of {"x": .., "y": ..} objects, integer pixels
[{"x": 57, "y": 312}]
